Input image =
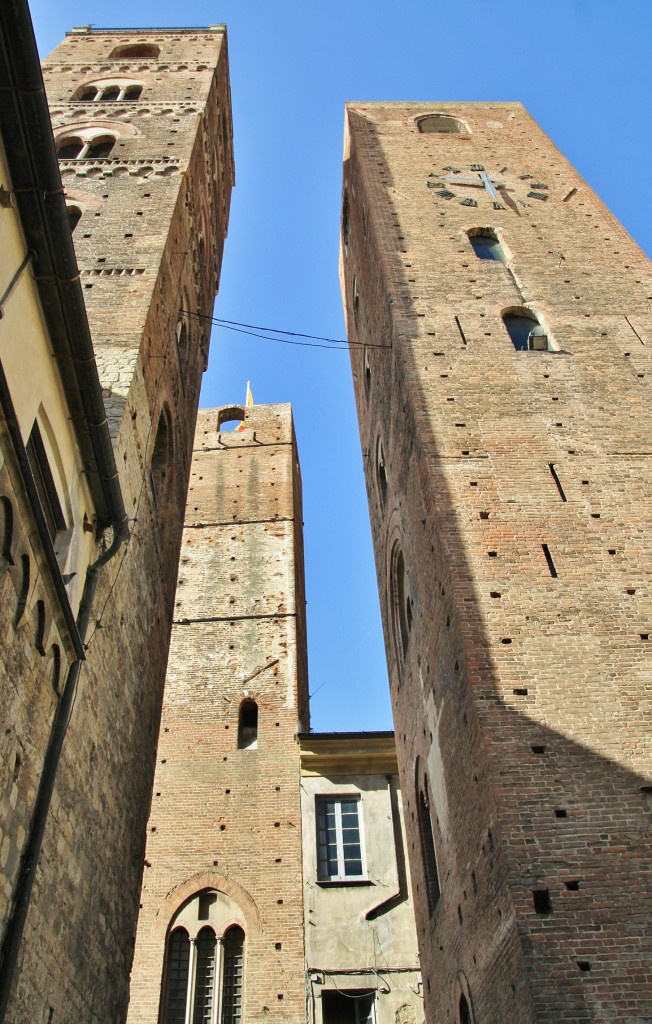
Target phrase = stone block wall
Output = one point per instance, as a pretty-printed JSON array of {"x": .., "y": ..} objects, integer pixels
[{"x": 149, "y": 245}]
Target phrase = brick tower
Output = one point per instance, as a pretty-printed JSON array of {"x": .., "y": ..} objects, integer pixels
[
  {"x": 222, "y": 906},
  {"x": 501, "y": 330},
  {"x": 143, "y": 134}
]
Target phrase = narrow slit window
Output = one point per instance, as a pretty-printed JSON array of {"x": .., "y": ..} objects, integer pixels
[
  {"x": 248, "y": 726},
  {"x": 176, "y": 987},
  {"x": 428, "y": 851},
  {"x": 232, "y": 979}
]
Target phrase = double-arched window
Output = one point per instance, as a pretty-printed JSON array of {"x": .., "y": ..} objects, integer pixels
[
  {"x": 204, "y": 971},
  {"x": 81, "y": 147}
]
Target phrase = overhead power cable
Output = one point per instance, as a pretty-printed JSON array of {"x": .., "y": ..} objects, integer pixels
[{"x": 252, "y": 330}]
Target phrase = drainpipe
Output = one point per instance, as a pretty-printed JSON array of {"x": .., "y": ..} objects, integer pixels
[{"x": 401, "y": 894}]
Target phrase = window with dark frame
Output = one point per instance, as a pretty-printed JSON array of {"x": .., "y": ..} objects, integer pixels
[
  {"x": 47, "y": 492},
  {"x": 195, "y": 987},
  {"x": 428, "y": 852}
]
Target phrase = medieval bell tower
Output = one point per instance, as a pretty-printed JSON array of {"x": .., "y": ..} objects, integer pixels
[{"x": 220, "y": 933}]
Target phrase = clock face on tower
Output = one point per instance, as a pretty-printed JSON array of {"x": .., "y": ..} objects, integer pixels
[{"x": 475, "y": 186}]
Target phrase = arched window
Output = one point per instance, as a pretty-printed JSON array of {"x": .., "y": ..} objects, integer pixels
[
  {"x": 132, "y": 93},
  {"x": 526, "y": 332},
  {"x": 205, "y": 951},
  {"x": 464, "y": 1013},
  {"x": 74, "y": 216},
  {"x": 248, "y": 725},
  {"x": 345, "y": 222},
  {"x": 183, "y": 333},
  {"x": 136, "y": 51},
  {"x": 176, "y": 979},
  {"x": 70, "y": 148},
  {"x": 401, "y": 603},
  {"x": 76, "y": 147},
  {"x": 445, "y": 124},
  {"x": 162, "y": 458},
  {"x": 427, "y": 841},
  {"x": 231, "y": 418},
  {"x": 99, "y": 148},
  {"x": 232, "y": 976},
  {"x": 7, "y": 529},
  {"x": 486, "y": 245},
  {"x": 381, "y": 471},
  {"x": 111, "y": 93},
  {"x": 87, "y": 94},
  {"x": 203, "y": 972}
]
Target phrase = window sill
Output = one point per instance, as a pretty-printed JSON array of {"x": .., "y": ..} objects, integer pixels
[{"x": 329, "y": 883}]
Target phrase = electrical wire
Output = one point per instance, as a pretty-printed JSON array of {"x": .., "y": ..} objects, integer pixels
[{"x": 314, "y": 341}]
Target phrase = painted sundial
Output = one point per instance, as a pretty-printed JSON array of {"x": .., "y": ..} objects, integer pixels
[{"x": 499, "y": 190}]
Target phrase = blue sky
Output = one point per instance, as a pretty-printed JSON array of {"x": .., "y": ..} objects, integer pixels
[{"x": 581, "y": 69}]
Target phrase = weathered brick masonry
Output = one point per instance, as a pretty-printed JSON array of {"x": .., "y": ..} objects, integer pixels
[
  {"x": 226, "y": 819},
  {"x": 149, "y": 243},
  {"x": 510, "y": 498}
]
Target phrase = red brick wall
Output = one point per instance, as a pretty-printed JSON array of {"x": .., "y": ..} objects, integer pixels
[
  {"x": 522, "y": 693},
  {"x": 222, "y": 817}
]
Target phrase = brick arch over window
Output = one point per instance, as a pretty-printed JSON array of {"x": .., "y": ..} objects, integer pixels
[
  {"x": 441, "y": 124},
  {"x": 207, "y": 880},
  {"x": 203, "y": 963}
]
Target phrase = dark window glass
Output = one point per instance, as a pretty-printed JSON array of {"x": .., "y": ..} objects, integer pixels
[
  {"x": 99, "y": 149},
  {"x": 206, "y": 945},
  {"x": 47, "y": 492},
  {"x": 70, "y": 149},
  {"x": 248, "y": 725},
  {"x": 176, "y": 981},
  {"x": 232, "y": 978},
  {"x": 487, "y": 247},
  {"x": 428, "y": 854}
]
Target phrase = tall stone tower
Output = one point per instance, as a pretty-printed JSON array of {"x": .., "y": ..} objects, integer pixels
[
  {"x": 501, "y": 334},
  {"x": 143, "y": 133},
  {"x": 220, "y": 933}
]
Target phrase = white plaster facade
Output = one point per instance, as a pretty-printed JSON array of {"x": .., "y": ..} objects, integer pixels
[{"x": 361, "y": 946}]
